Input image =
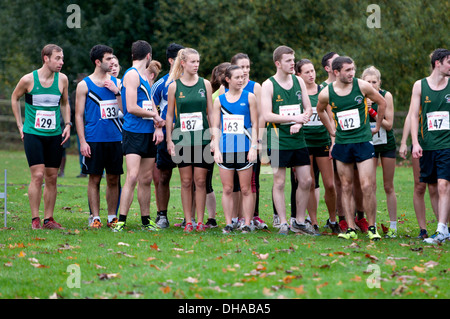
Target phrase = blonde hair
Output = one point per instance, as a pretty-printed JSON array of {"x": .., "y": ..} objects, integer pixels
[
  {"x": 154, "y": 68},
  {"x": 371, "y": 70},
  {"x": 177, "y": 68}
]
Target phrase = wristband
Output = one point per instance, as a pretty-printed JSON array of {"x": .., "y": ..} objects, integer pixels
[
  {"x": 254, "y": 147},
  {"x": 373, "y": 113},
  {"x": 68, "y": 123}
]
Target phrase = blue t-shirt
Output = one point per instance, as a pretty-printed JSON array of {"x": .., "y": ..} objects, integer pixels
[
  {"x": 101, "y": 114},
  {"x": 134, "y": 123},
  {"x": 236, "y": 124}
]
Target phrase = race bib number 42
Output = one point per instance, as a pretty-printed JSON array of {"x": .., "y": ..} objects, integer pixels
[
  {"x": 190, "y": 122},
  {"x": 109, "y": 109},
  {"x": 437, "y": 121},
  {"x": 349, "y": 120},
  {"x": 45, "y": 120}
]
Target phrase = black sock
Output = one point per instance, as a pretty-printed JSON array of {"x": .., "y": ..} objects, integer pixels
[
  {"x": 341, "y": 218},
  {"x": 162, "y": 213},
  {"x": 34, "y": 218},
  {"x": 122, "y": 218},
  {"x": 145, "y": 220},
  {"x": 46, "y": 220},
  {"x": 360, "y": 214}
]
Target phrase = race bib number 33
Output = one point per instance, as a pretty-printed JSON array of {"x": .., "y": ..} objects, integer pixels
[{"x": 109, "y": 109}]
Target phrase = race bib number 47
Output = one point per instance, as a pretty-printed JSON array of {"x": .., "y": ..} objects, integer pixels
[
  {"x": 190, "y": 122},
  {"x": 45, "y": 120},
  {"x": 437, "y": 121}
]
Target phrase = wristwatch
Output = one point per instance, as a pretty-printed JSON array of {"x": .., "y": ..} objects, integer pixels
[{"x": 68, "y": 123}]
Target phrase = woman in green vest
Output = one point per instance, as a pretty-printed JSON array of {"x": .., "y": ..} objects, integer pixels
[
  {"x": 190, "y": 102},
  {"x": 384, "y": 144}
]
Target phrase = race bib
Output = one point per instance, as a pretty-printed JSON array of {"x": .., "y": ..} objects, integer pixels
[
  {"x": 290, "y": 110},
  {"x": 314, "y": 120},
  {"x": 45, "y": 120},
  {"x": 438, "y": 121},
  {"x": 233, "y": 124},
  {"x": 147, "y": 105},
  {"x": 109, "y": 109},
  {"x": 349, "y": 120},
  {"x": 379, "y": 138},
  {"x": 190, "y": 122}
]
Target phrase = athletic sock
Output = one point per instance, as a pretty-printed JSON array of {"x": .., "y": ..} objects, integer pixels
[
  {"x": 341, "y": 218},
  {"x": 122, "y": 218},
  {"x": 162, "y": 213},
  {"x": 111, "y": 217},
  {"x": 442, "y": 228},
  {"x": 145, "y": 220},
  {"x": 360, "y": 214},
  {"x": 393, "y": 225}
]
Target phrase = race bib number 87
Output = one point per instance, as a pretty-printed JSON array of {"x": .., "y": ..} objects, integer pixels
[{"x": 190, "y": 122}]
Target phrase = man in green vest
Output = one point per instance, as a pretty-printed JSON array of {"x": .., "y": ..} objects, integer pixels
[
  {"x": 286, "y": 107},
  {"x": 353, "y": 138},
  {"x": 46, "y": 98},
  {"x": 430, "y": 109}
]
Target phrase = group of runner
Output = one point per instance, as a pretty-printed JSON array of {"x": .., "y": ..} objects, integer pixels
[{"x": 337, "y": 129}]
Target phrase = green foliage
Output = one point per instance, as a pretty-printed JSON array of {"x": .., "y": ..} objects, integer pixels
[{"x": 410, "y": 31}]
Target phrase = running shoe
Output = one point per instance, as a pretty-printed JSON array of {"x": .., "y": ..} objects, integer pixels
[
  {"x": 362, "y": 224},
  {"x": 51, "y": 224},
  {"x": 188, "y": 228},
  {"x": 246, "y": 229},
  {"x": 335, "y": 229},
  {"x": 96, "y": 224},
  {"x": 391, "y": 233},
  {"x": 151, "y": 226},
  {"x": 349, "y": 234},
  {"x": 200, "y": 227},
  {"x": 305, "y": 228},
  {"x": 423, "y": 234},
  {"x": 162, "y": 221},
  {"x": 112, "y": 223},
  {"x": 276, "y": 221},
  {"x": 118, "y": 227},
  {"x": 343, "y": 225},
  {"x": 372, "y": 233},
  {"x": 284, "y": 229},
  {"x": 437, "y": 238},
  {"x": 227, "y": 229},
  {"x": 259, "y": 223},
  {"x": 211, "y": 223},
  {"x": 36, "y": 223}
]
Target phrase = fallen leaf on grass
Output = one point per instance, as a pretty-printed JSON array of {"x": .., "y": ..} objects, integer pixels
[
  {"x": 191, "y": 280},
  {"x": 122, "y": 244},
  {"x": 431, "y": 264},
  {"x": 419, "y": 269},
  {"x": 154, "y": 247},
  {"x": 298, "y": 290},
  {"x": 371, "y": 257},
  {"x": 107, "y": 276},
  {"x": 165, "y": 290}
]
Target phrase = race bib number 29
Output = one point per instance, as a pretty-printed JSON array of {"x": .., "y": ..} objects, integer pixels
[{"x": 45, "y": 120}]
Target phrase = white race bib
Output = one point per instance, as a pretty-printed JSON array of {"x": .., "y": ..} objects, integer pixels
[
  {"x": 233, "y": 124},
  {"x": 147, "y": 105},
  {"x": 290, "y": 110},
  {"x": 45, "y": 120},
  {"x": 190, "y": 122},
  {"x": 349, "y": 120},
  {"x": 314, "y": 120},
  {"x": 109, "y": 109},
  {"x": 438, "y": 121},
  {"x": 379, "y": 138}
]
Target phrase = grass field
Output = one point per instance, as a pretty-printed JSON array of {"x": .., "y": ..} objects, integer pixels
[{"x": 78, "y": 262}]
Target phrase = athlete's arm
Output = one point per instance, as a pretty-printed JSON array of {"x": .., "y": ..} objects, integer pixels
[
  {"x": 169, "y": 117},
  {"x": 216, "y": 131},
  {"x": 65, "y": 107},
  {"x": 369, "y": 92},
  {"x": 22, "y": 87},
  {"x": 322, "y": 105},
  {"x": 80, "y": 102},
  {"x": 253, "y": 153},
  {"x": 414, "y": 119},
  {"x": 403, "y": 150},
  {"x": 306, "y": 102}
]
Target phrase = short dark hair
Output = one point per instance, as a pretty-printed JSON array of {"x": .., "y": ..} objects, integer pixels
[
  {"x": 438, "y": 55},
  {"x": 238, "y": 57},
  {"x": 98, "y": 52},
  {"x": 140, "y": 49},
  {"x": 172, "y": 50},
  {"x": 48, "y": 50},
  {"x": 279, "y": 51},
  {"x": 340, "y": 61},
  {"x": 327, "y": 58}
]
